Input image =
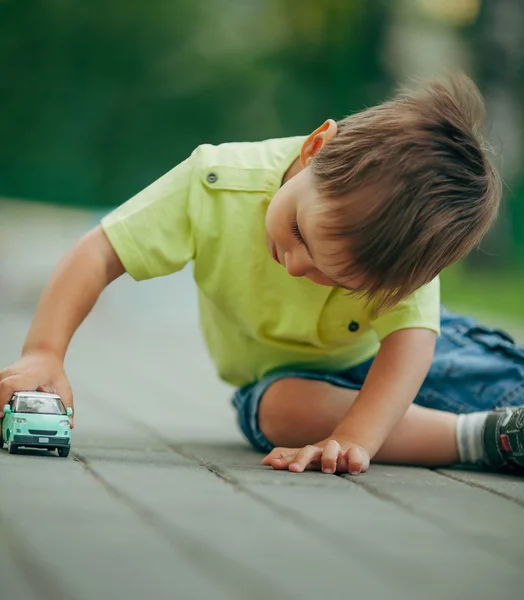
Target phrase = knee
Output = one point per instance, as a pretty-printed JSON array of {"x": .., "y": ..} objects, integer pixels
[
  {"x": 297, "y": 411},
  {"x": 274, "y": 415}
]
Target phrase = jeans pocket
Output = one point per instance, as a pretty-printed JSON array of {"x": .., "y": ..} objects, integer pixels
[{"x": 496, "y": 339}]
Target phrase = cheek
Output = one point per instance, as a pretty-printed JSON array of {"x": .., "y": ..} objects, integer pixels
[
  {"x": 271, "y": 216},
  {"x": 277, "y": 220}
]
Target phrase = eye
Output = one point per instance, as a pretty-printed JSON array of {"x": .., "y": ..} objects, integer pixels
[{"x": 296, "y": 232}]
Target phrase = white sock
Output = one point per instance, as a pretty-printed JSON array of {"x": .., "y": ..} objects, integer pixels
[
  {"x": 470, "y": 431},
  {"x": 469, "y": 436}
]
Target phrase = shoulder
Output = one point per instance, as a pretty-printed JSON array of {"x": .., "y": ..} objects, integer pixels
[
  {"x": 425, "y": 299},
  {"x": 420, "y": 310},
  {"x": 256, "y": 166}
]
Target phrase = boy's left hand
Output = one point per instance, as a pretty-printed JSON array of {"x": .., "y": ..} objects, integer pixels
[{"x": 330, "y": 456}]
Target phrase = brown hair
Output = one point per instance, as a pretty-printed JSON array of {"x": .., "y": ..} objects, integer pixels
[{"x": 429, "y": 193}]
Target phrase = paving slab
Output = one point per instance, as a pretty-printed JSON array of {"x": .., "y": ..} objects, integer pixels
[
  {"x": 15, "y": 563},
  {"x": 507, "y": 486},
  {"x": 454, "y": 507}
]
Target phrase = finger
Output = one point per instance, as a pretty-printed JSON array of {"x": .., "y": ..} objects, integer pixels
[
  {"x": 8, "y": 387},
  {"x": 63, "y": 389},
  {"x": 304, "y": 458},
  {"x": 355, "y": 460},
  {"x": 365, "y": 461},
  {"x": 5, "y": 373},
  {"x": 279, "y": 453},
  {"x": 330, "y": 457},
  {"x": 342, "y": 463},
  {"x": 282, "y": 463},
  {"x": 67, "y": 398},
  {"x": 315, "y": 465},
  {"x": 283, "y": 459},
  {"x": 266, "y": 460}
]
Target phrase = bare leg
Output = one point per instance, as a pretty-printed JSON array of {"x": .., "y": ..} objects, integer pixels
[{"x": 296, "y": 412}]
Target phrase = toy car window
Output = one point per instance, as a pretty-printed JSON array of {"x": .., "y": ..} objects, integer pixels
[{"x": 34, "y": 404}]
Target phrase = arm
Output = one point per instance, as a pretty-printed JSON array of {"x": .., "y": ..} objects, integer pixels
[
  {"x": 392, "y": 384},
  {"x": 72, "y": 291}
]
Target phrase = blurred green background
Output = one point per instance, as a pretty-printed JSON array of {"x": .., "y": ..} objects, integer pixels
[{"x": 98, "y": 99}]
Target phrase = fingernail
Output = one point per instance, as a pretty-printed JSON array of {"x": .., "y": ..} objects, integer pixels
[
  {"x": 354, "y": 472},
  {"x": 294, "y": 466},
  {"x": 328, "y": 471}
]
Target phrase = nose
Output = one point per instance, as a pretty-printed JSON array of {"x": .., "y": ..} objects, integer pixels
[{"x": 297, "y": 263}]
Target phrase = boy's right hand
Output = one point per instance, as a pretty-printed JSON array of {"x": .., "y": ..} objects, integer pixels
[{"x": 40, "y": 371}]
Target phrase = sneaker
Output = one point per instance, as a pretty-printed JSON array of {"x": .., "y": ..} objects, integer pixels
[{"x": 503, "y": 439}]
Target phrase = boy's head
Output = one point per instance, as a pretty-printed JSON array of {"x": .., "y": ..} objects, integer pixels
[{"x": 385, "y": 199}]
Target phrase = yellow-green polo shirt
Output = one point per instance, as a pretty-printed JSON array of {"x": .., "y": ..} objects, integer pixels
[{"x": 210, "y": 209}]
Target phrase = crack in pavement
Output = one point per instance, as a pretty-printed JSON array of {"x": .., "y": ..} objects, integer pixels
[
  {"x": 234, "y": 576},
  {"x": 481, "y": 486}
]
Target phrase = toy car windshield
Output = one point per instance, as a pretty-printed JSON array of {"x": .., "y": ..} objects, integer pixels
[{"x": 43, "y": 406}]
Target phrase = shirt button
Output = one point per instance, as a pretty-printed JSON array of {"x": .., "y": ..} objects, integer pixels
[
  {"x": 212, "y": 177},
  {"x": 353, "y": 326}
]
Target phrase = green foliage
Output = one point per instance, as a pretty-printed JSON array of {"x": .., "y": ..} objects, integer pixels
[
  {"x": 515, "y": 200},
  {"x": 101, "y": 98},
  {"x": 484, "y": 292}
]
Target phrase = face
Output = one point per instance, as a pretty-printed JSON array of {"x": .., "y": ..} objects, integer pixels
[{"x": 292, "y": 233}]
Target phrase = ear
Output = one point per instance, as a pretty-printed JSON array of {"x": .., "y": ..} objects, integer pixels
[{"x": 318, "y": 139}]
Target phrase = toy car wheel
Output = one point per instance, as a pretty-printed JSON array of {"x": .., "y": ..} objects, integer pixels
[
  {"x": 64, "y": 451},
  {"x": 12, "y": 448}
]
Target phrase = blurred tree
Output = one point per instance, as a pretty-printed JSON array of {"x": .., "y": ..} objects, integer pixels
[
  {"x": 496, "y": 41},
  {"x": 98, "y": 99}
]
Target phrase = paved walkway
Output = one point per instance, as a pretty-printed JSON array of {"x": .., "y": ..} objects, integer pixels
[{"x": 162, "y": 498}]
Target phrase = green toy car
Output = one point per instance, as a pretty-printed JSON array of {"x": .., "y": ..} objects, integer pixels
[{"x": 36, "y": 420}]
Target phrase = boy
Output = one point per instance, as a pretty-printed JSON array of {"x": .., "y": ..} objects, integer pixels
[{"x": 317, "y": 263}]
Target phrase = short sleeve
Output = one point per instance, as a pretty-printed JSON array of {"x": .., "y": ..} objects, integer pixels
[
  {"x": 152, "y": 233},
  {"x": 421, "y": 310}
]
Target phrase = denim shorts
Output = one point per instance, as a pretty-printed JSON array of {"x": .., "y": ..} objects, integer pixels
[{"x": 474, "y": 368}]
